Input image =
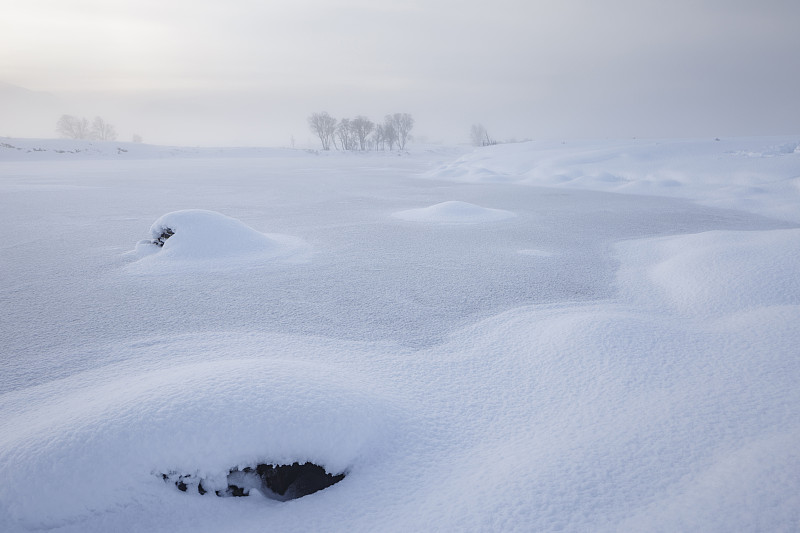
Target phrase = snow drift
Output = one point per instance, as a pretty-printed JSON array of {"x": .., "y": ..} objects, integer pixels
[{"x": 713, "y": 273}]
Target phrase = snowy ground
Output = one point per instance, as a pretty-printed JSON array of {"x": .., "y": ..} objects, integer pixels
[{"x": 487, "y": 340}]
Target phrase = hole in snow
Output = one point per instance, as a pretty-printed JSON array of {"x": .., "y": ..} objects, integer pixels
[
  {"x": 165, "y": 234},
  {"x": 277, "y": 482}
]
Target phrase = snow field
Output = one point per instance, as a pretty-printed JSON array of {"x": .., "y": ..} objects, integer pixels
[
  {"x": 660, "y": 397},
  {"x": 454, "y": 212}
]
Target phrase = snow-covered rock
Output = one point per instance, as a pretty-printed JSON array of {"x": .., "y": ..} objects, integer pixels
[{"x": 200, "y": 239}]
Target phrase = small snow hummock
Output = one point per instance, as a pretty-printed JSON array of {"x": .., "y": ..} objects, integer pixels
[
  {"x": 454, "y": 212},
  {"x": 210, "y": 240}
]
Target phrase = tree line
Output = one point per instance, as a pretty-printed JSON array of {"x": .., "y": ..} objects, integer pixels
[
  {"x": 360, "y": 133},
  {"x": 79, "y": 128}
]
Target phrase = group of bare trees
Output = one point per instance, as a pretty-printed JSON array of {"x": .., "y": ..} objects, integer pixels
[
  {"x": 78, "y": 128},
  {"x": 361, "y": 133}
]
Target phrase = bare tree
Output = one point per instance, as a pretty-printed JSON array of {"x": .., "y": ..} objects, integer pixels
[
  {"x": 73, "y": 127},
  {"x": 345, "y": 134},
  {"x": 362, "y": 127},
  {"x": 479, "y": 136},
  {"x": 102, "y": 130},
  {"x": 390, "y": 136},
  {"x": 378, "y": 137},
  {"x": 403, "y": 123},
  {"x": 324, "y": 126}
]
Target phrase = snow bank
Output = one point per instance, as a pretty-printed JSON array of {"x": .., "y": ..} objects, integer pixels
[
  {"x": 198, "y": 239},
  {"x": 759, "y": 175},
  {"x": 454, "y": 212}
]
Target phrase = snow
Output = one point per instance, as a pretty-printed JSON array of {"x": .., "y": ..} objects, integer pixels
[
  {"x": 107, "y": 440},
  {"x": 758, "y": 175},
  {"x": 585, "y": 336},
  {"x": 454, "y": 212},
  {"x": 714, "y": 273}
]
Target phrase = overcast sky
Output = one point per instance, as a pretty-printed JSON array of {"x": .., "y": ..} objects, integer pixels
[{"x": 251, "y": 71}]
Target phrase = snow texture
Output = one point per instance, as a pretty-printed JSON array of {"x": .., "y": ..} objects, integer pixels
[
  {"x": 454, "y": 212},
  {"x": 595, "y": 362}
]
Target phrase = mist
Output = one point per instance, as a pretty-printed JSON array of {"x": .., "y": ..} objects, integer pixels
[{"x": 200, "y": 73}]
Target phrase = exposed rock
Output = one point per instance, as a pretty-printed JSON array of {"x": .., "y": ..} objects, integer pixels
[
  {"x": 165, "y": 234},
  {"x": 278, "y": 482}
]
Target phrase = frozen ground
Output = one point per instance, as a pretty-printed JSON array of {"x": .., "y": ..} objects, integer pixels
[{"x": 481, "y": 340}]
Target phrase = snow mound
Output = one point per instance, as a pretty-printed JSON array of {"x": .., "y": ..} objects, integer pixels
[
  {"x": 715, "y": 272},
  {"x": 454, "y": 212},
  {"x": 197, "y": 238},
  {"x": 105, "y": 446}
]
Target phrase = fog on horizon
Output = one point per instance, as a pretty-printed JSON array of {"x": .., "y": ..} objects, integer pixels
[{"x": 250, "y": 73}]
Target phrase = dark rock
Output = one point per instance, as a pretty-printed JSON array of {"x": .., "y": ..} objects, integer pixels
[
  {"x": 296, "y": 480},
  {"x": 166, "y": 233},
  {"x": 279, "y": 482}
]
